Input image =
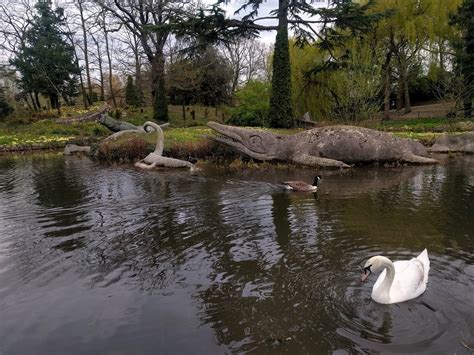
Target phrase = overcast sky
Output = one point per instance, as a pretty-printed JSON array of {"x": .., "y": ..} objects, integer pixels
[{"x": 264, "y": 10}]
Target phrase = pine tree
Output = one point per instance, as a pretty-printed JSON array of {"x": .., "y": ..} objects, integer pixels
[
  {"x": 46, "y": 60},
  {"x": 465, "y": 52}
]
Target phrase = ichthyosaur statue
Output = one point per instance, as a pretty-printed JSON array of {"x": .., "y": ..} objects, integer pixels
[{"x": 331, "y": 146}]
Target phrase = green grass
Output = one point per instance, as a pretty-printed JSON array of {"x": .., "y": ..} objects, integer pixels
[
  {"x": 417, "y": 122},
  {"x": 48, "y": 133},
  {"x": 435, "y": 124}
]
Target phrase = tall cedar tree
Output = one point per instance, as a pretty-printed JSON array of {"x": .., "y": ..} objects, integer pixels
[
  {"x": 326, "y": 26},
  {"x": 46, "y": 60},
  {"x": 281, "y": 113},
  {"x": 465, "y": 52}
]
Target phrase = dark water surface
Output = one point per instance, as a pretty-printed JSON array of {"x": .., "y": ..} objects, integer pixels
[{"x": 110, "y": 260}]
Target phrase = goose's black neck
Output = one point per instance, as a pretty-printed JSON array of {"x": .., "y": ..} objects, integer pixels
[{"x": 316, "y": 179}]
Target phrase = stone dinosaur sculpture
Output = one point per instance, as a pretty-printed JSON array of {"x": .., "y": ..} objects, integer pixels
[
  {"x": 332, "y": 146},
  {"x": 115, "y": 125},
  {"x": 446, "y": 143},
  {"x": 155, "y": 158}
]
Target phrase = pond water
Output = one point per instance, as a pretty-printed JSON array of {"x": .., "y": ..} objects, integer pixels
[{"x": 111, "y": 260}]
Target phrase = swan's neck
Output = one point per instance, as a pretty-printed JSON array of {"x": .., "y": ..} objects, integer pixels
[{"x": 384, "y": 288}]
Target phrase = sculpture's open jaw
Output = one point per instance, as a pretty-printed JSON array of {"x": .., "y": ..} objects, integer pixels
[{"x": 240, "y": 139}]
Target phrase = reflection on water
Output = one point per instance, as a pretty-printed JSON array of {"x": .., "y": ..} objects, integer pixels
[{"x": 114, "y": 260}]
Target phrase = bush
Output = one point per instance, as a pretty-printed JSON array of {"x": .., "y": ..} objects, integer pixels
[
  {"x": 253, "y": 105},
  {"x": 129, "y": 147},
  {"x": 5, "y": 108}
]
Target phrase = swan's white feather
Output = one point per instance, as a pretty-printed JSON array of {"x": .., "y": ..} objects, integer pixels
[{"x": 411, "y": 277}]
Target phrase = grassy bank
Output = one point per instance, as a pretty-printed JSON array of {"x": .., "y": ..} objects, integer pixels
[
  {"x": 426, "y": 130},
  {"x": 185, "y": 135}
]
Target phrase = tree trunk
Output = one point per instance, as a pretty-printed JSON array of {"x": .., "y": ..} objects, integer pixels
[
  {"x": 406, "y": 97},
  {"x": 76, "y": 61},
  {"x": 441, "y": 55},
  {"x": 101, "y": 75},
  {"x": 399, "y": 104},
  {"x": 467, "y": 96},
  {"x": 37, "y": 101},
  {"x": 86, "y": 53},
  {"x": 111, "y": 88},
  {"x": 387, "y": 77},
  {"x": 101, "y": 71},
  {"x": 35, "y": 107},
  {"x": 83, "y": 90},
  {"x": 235, "y": 79},
  {"x": 138, "y": 70},
  {"x": 54, "y": 100},
  {"x": 403, "y": 88}
]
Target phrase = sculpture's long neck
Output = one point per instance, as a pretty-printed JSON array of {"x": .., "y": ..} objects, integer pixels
[
  {"x": 159, "y": 140},
  {"x": 386, "y": 284}
]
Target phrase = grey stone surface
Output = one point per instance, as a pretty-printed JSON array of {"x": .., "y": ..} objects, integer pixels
[
  {"x": 331, "y": 146},
  {"x": 73, "y": 148},
  {"x": 447, "y": 143}
]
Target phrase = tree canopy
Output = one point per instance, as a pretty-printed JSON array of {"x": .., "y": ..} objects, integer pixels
[{"x": 328, "y": 27}]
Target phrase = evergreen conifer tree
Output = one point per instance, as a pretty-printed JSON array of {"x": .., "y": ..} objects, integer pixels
[
  {"x": 46, "y": 60},
  {"x": 160, "y": 105},
  {"x": 281, "y": 113},
  {"x": 131, "y": 96}
]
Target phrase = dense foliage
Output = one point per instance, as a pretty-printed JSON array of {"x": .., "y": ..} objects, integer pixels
[
  {"x": 348, "y": 93},
  {"x": 203, "y": 78},
  {"x": 253, "y": 104}
]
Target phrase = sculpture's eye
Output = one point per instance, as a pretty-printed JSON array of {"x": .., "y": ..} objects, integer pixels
[{"x": 255, "y": 141}]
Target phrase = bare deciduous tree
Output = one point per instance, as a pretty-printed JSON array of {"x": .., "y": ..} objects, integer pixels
[
  {"x": 248, "y": 59},
  {"x": 139, "y": 17}
]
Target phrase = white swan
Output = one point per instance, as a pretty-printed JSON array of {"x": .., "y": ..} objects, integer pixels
[{"x": 399, "y": 281}]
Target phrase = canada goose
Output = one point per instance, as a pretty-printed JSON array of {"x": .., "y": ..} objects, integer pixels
[{"x": 301, "y": 185}]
